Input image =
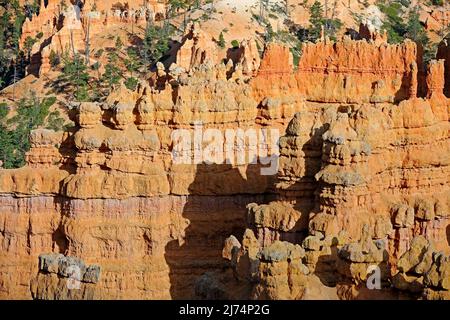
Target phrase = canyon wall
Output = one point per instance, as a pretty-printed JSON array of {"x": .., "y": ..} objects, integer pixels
[
  {"x": 362, "y": 187},
  {"x": 62, "y": 27},
  {"x": 110, "y": 195},
  {"x": 351, "y": 71},
  {"x": 363, "y": 179}
]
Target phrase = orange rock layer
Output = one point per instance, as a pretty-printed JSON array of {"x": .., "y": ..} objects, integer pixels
[
  {"x": 364, "y": 169},
  {"x": 64, "y": 27}
]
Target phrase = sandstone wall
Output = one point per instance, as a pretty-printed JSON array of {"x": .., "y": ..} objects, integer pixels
[
  {"x": 351, "y": 71},
  {"x": 376, "y": 176},
  {"x": 110, "y": 195},
  {"x": 358, "y": 178},
  {"x": 357, "y": 72}
]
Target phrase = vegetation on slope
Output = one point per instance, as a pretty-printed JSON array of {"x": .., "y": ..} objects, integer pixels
[
  {"x": 402, "y": 22},
  {"x": 15, "y": 127}
]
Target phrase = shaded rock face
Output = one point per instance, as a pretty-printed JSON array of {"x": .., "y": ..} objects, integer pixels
[
  {"x": 444, "y": 53},
  {"x": 110, "y": 194},
  {"x": 359, "y": 177}
]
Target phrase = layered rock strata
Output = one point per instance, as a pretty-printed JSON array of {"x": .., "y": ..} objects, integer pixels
[
  {"x": 111, "y": 195},
  {"x": 357, "y": 183},
  {"x": 363, "y": 169}
]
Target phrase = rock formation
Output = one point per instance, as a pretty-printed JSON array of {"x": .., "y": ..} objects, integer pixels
[
  {"x": 362, "y": 183},
  {"x": 196, "y": 49},
  {"x": 353, "y": 203},
  {"x": 64, "y": 27}
]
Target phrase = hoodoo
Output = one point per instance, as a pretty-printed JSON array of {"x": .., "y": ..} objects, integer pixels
[{"x": 300, "y": 162}]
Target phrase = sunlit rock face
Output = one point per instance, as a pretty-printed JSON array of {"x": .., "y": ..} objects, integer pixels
[
  {"x": 65, "y": 26},
  {"x": 362, "y": 181}
]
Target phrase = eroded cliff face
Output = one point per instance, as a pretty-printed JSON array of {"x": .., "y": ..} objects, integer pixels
[
  {"x": 115, "y": 198},
  {"x": 362, "y": 187},
  {"x": 351, "y": 71},
  {"x": 67, "y": 26},
  {"x": 363, "y": 171}
]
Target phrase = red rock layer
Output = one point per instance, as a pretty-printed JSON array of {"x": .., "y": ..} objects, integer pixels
[{"x": 357, "y": 184}]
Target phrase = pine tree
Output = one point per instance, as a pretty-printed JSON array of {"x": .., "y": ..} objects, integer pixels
[
  {"x": 270, "y": 34},
  {"x": 30, "y": 113},
  {"x": 132, "y": 62},
  {"x": 175, "y": 6},
  {"x": 17, "y": 25},
  {"x": 155, "y": 45},
  {"x": 222, "y": 42},
  {"x": 416, "y": 32},
  {"x": 393, "y": 23},
  {"x": 414, "y": 29},
  {"x": 54, "y": 59},
  {"x": 119, "y": 43},
  {"x": 28, "y": 45},
  {"x": 74, "y": 75},
  {"x": 131, "y": 83},
  {"x": 112, "y": 73},
  {"x": 3, "y": 46},
  {"x": 316, "y": 19},
  {"x": 12, "y": 61}
]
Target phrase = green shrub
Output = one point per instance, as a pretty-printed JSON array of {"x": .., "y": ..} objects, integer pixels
[
  {"x": 394, "y": 24},
  {"x": 155, "y": 45},
  {"x": 4, "y": 110},
  {"x": 31, "y": 113},
  {"x": 54, "y": 58},
  {"x": 54, "y": 121},
  {"x": 131, "y": 83},
  {"x": 296, "y": 53},
  {"x": 221, "y": 42}
]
